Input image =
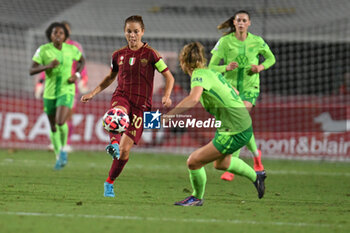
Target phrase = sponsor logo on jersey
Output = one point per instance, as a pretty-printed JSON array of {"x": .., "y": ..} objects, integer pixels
[
  {"x": 114, "y": 103},
  {"x": 242, "y": 60},
  {"x": 121, "y": 60},
  {"x": 197, "y": 79},
  {"x": 133, "y": 132}
]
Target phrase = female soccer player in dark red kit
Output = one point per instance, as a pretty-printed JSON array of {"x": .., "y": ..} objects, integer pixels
[{"x": 134, "y": 66}]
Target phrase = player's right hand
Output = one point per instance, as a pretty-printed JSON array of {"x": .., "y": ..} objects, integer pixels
[
  {"x": 231, "y": 66},
  {"x": 53, "y": 64},
  {"x": 86, "y": 98}
]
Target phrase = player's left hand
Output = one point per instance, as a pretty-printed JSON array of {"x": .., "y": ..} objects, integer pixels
[
  {"x": 166, "y": 101},
  {"x": 72, "y": 79},
  {"x": 257, "y": 68}
]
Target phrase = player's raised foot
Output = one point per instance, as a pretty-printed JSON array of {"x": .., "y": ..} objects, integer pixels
[
  {"x": 108, "y": 190},
  {"x": 113, "y": 150},
  {"x": 260, "y": 183},
  {"x": 190, "y": 201},
  {"x": 228, "y": 176},
  {"x": 258, "y": 166}
]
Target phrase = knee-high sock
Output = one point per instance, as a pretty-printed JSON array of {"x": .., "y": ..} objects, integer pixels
[
  {"x": 236, "y": 153},
  {"x": 63, "y": 131},
  {"x": 116, "y": 169},
  {"x": 198, "y": 180},
  {"x": 252, "y": 146},
  {"x": 70, "y": 131},
  {"x": 239, "y": 167},
  {"x": 56, "y": 142},
  {"x": 114, "y": 138}
]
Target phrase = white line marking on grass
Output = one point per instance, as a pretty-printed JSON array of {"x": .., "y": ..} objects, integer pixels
[
  {"x": 34, "y": 163},
  {"x": 140, "y": 218}
]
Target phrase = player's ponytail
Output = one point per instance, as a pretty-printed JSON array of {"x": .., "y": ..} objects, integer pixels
[{"x": 229, "y": 23}]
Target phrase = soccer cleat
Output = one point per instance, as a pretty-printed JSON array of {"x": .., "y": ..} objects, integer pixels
[
  {"x": 259, "y": 183},
  {"x": 258, "y": 166},
  {"x": 58, "y": 165},
  {"x": 227, "y": 176},
  {"x": 190, "y": 201},
  {"x": 108, "y": 190},
  {"x": 63, "y": 158},
  {"x": 113, "y": 150}
]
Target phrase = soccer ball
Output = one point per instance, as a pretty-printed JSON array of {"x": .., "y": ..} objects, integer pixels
[{"x": 115, "y": 120}]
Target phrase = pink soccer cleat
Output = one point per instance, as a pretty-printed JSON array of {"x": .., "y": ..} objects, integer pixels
[{"x": 228, "y": 176}]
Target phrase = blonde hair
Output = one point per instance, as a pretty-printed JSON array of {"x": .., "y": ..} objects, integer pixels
[
  {"x": 229, "y": 23},
  {"x": 192, "y": 56}
]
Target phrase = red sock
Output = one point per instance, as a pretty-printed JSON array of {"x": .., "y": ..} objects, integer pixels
[
  {"x": 117, "y": 168},
  {"x": 258, "y": 166},
  {"x": 109, "y": 180},
  {"x": 114, "y": 138}
]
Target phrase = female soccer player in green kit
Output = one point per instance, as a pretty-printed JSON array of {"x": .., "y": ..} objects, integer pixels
[
  {"x": 240, "y": 50},
  {"x": 56, "y": 59},
  {"x": 220, "y": 99}
]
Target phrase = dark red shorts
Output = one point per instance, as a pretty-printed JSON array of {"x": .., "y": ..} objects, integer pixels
[{"x": 135, "y": 113}]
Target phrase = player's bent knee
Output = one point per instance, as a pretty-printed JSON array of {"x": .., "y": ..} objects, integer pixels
[
  {"x": 193, "y": 164},
  {"x": 124, "y": 153}
]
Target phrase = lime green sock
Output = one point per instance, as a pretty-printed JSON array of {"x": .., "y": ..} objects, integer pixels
[
  {"x": 252, "y": 146},
  {"x": 56, "y": 142},
  {"x": 236, "y": 153},
  {"x": 63, "y": 131},
  {"x": 239, "y": 167},
  {"x": 198, "y": 180}
]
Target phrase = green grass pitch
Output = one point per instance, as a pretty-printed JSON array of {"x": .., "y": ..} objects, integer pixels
[{"x": 301, "y": 196}]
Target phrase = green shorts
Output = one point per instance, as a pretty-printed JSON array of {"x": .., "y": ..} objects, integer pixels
[
  {"x": 227, "y": 144},
  {"x": 250, "y": 96},
  {"x": 50, "y": 105}
]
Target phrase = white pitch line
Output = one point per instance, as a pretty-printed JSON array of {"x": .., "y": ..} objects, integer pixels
[
  {"x": 34, "y": 163},
  {"x": 140, "y": 218}
]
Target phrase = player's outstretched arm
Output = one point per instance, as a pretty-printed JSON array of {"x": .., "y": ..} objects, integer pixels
[
  {"x": 103, "y": 85},
  {"x": 187, "y": 103},
  {"x": 169, "y": 84}
]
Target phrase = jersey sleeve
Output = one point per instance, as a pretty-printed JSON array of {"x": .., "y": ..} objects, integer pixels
[
  {"x": 200, "y": 79},
  {"x": 219, "y": 49},
  {"x": 266, "y": 52},
  {"x": 159, "y": 63},
  {"x": 114, "y": 62},
  {"x": 76, "y": 53},
  {"x": 37, "y": 56}
]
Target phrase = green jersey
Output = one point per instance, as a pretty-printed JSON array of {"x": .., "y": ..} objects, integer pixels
[
  {"x": 56, "y": 79},
  {"x": 221, "y": 100},
  {"x": 245, "y": 53}
]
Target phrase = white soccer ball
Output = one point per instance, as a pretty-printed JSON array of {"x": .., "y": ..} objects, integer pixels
[{"x": 115, "y": 120}]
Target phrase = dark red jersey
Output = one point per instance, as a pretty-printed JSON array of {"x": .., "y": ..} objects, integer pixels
[{"x": 136, "y": 73}]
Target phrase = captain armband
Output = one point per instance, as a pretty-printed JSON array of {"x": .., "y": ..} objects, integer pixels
[{"x": 161, "y": 66}]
